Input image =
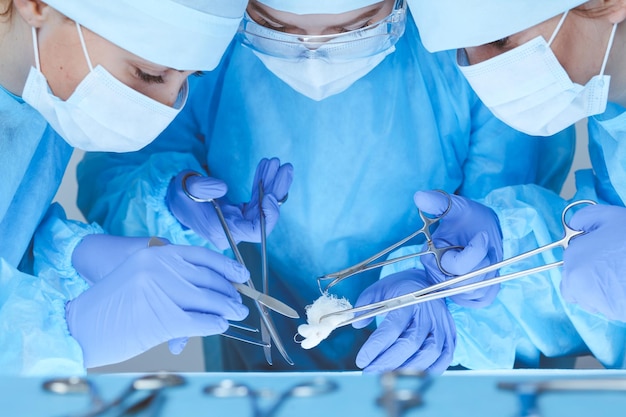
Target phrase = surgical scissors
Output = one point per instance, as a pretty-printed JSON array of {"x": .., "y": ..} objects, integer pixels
[
  {"x": 155, "y": 241},
  {"x": 228, "y": 389},
  {"x": 261, "y": 307},
  {"x": 367, "y": 264},
  {"x": 265, "y": 335},
  {"x": 437, "y": 291}
]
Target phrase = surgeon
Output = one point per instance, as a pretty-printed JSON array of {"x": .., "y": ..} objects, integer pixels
[
  {"x": 99, "y": 76},
  {"x": 345, "y": 93},
  {"x": 541, "y": 67}
]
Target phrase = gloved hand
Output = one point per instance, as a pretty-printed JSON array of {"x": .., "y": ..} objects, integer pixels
[
  {"x": 158, "y": 294},
  {"x": 99, "y": 254},
  {"x": 420, "y": 337},
  {"x": 243, "y": 220},
  {"x": 594, "y": 269},
  {"x": 468, "y": 224}
]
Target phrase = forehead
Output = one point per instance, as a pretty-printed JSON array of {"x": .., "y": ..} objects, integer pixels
[{"x": 483, "y": 52}]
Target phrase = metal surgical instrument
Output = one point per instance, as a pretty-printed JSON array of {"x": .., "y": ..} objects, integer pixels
[
  {"x": 529, "y": 392},
  {"x": 265, "y": 334},
  {"x": 437, "y": 291},
  {"x": 229, "y": 388},
  {"x": 367, "y": 264},
  {"x": 265, "y": 315},
  {"x": 397, "y": 399},
  {"x": 155, "y": 241},
  {"x": 75, "y": 385},
  {"x": 151, "y": 382}
]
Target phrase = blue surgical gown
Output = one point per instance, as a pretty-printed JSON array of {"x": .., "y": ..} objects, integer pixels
[
  {"x": 529, "y": 318},
  {"x": 36, "y": 274},
  {"x": 411, "y": 124}
]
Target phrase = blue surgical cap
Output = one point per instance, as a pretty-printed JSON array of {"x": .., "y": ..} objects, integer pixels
[
  {"x": 454, "y": 24},
  {"x": 180, "y": 34},
  {"x": 318, "y": 6}
]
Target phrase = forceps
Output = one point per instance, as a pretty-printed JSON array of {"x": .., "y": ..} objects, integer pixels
[
  {"x": 437, "y": 291},
  {"x": 367, "y": 264},
  {"x": 231, "y": 389},
  {"x": 259, "y": 297}
]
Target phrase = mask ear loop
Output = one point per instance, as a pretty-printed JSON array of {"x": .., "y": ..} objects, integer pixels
[
  {"x": 82, "y": 43},
  {"x": 558, "y": 27},
  {"x": 36, "y": 48},
  {"x": 608, "y": 49}
]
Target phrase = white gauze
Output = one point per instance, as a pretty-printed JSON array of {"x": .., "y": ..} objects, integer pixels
[{"x": 314, "y": 332}]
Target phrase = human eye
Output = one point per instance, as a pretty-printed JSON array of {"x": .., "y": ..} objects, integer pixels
[
  {"x": 148, "y": 78},
  {"x": 269, "y": 24},
  {"x": 357, "y": 26},
  {"x": 501, "y": 43}
]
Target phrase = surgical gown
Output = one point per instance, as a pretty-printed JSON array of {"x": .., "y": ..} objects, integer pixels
[
  {"x": 411, "y": 124},
  {"x": 36, "y": 274},
  {"x": 529, "y": 319}
]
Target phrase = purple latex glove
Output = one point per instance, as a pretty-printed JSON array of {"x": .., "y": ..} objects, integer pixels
[
  {"x": 99, "y": 254},
  {"x": 594, "y": 270},
  {"x": 243, "y": 219},
  {"x": 158, "y": 294},
  {"x": 420, "y": 337},
  {"x": 468, "y": 224}
]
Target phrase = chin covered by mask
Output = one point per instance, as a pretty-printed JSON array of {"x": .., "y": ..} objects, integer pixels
[
  {"x": 102, "y": 114},
  {"x": 319, "y": 79},
  {"x": 528, "y": 89},
  {"x": 319, "y": 66}
]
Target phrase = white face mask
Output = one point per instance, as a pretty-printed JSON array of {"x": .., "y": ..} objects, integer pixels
[
  {"x": 319, "y": 79},
  {"x": 102, "y": 114},
  {"x": 528, "y": 89}
]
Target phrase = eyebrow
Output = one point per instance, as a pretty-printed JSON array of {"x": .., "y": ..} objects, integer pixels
[{"x": 361, "y": 17}]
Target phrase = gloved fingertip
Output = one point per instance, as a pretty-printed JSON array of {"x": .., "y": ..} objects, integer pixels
[
  {"x": 361, "y": 323},
  {"x": 239, "y": 273},
  {"x": 241, "y": 312},
  {"x": 363, "y": 359},
  {"x": 466, "y": 260},
  {"x": 431, "y": 202},
  {"x": 206, "y": 187},
  {"x": 176, "y": 346}
]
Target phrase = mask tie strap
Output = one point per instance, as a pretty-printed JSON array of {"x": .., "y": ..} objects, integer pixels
[
  {"x": 82, "y": 43},
  {"x": 608, "y": 49},
  {"x": 36, "y": 48},
  {"x": 558, "y": 27}
]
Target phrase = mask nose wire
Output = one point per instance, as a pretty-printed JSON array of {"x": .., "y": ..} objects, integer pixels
[
  {"x": 82, "y": 43},
  {"x": 36, "y": 48}
]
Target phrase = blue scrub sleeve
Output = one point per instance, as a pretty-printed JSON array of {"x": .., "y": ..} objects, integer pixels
[
  {"x": 528, "y": 317},
  {"x": 131, "y": 200},
  {"x": 35, "y": 339},
  {"x": 494, "y": 156}
]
